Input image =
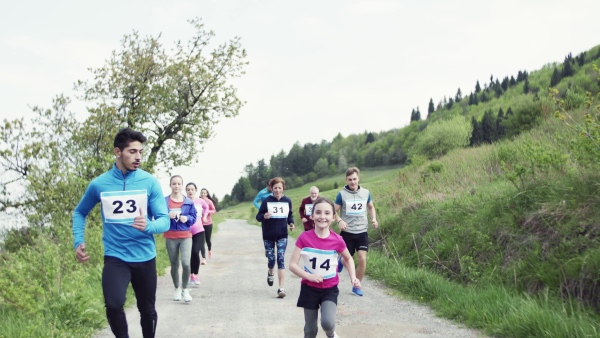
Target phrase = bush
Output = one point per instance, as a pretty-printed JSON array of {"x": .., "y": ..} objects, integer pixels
[{"x": 443, "y": 136}]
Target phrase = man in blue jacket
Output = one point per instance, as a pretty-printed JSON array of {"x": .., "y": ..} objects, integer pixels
[{"x": 133, "y": 210}]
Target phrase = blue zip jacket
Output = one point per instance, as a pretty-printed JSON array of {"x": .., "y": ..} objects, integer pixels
[
  {"x": 187, "y": 209},
  {"x": 275, "y": 228},
  {"x": 121, "y": 197},
  {"x": 261, "y": 196}
]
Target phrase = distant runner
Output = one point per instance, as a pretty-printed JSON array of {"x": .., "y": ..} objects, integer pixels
[
  {"x": 178, "y": 239},
  {"x": 275, "y": 214},
  {"x": 354, "y": 201},
  {"x": 306, "y": 208}
]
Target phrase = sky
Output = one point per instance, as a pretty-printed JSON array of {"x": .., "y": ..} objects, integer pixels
[{"x": 316, "y": 68}]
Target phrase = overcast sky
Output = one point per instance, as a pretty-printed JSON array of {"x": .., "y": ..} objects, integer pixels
[{"x": 316, "y": 67}]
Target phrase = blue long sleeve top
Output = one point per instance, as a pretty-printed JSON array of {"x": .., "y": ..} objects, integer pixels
[{"x": 123, "y": 197}]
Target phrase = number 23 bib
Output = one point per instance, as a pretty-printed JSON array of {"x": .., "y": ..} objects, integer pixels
[{"x": 123, "y": 206}]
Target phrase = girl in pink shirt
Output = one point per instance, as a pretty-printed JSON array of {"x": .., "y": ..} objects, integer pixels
[
  {"x": 315, "y": 261},
  {"x": 208, "y": 223},
  {"x": 197, "y": 232}
]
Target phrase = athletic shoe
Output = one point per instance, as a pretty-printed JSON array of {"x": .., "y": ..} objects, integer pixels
[
  {"x": 186, "y": 296},
  {"x": 335, "y": 335},
  {"x": 209, "y": 253},
  {"x": 270, "y": 278},
  {"x": 192, "y": 280},
  {"x": 357, "y": 291},
  {"x": 281, "y": 293},
  {"x": 203, "y": 261},
  {"x": 340, "y": 265},
  {"x": 197, "y": 280},
  {"x": 177, "y": 295}
]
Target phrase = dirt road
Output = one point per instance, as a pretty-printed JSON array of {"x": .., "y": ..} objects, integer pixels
[{"x": 234, "y": 300}]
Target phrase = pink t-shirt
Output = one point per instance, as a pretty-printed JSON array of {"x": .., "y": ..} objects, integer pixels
[
  {"x": 202, "y": 210},
  {"x": 319, "y": 255},
  {"x": 211, "y": 210}
]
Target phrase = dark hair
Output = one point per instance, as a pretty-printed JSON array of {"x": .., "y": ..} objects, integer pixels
[
  {"x": 352, "y": 170},
  {"x": 208, "y": 196},
  {"x": 274, "y": 181},
  {"x": 323, "y": 200},
  {"x": 191, "y": 183},
  {"x": 127, "y": 135}
]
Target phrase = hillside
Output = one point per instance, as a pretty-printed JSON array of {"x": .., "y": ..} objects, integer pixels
[
  {"x": 505, "y": 235},
  {"x": 494, "y": 111}
]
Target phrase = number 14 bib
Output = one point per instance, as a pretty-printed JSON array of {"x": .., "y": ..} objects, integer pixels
[
  {"x": 320, "y": 262},
  {"x": 123, "y": 206}
]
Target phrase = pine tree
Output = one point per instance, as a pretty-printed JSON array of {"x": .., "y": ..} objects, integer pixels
[
  {"x": 471, "y": 101},
  {"x": 476, "y": 135},
  {"x": 567, "y": 67},
  {"x": 450, "y": 103},
  {"x": 417, "y": 115},
  {"x": 431, "y": 108},
  {"x": 488, "y": 127},
  {"x": 477, "y": 87},
  {"x": 500, "y": 131},
  {"x": 370, "y": 138},
  {"x": 504, "y": 83},
  {"x": 512, "y": 81},
  {"x": 413, "y": 115},
  {"x": 458, "y": 97},
  {"x": 555, "y": 79}
]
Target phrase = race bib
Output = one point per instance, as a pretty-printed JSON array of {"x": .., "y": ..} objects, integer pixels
[
  {"x": 320, "y": 262},
  {"x": 123, "y": 206},
  {"x": 278, "y": 209},
  {"x": 356, "y": 207},
  {"x": 308, "y": 209}
]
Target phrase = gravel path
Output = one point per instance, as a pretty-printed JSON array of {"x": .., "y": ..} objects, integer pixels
[{"x": 234, "y": 300}]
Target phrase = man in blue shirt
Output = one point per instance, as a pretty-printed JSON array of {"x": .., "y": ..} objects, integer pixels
[{"x": 133, "y": 210}]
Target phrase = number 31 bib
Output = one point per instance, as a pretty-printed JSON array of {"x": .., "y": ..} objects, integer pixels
[{"x": 278, "y": 209}]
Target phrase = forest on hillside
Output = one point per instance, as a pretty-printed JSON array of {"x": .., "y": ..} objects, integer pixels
[{"x": 502, "y": 108}]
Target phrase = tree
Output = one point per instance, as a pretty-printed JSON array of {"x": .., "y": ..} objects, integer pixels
[
  {"x": 441, "y": 137},
  {"x": 555, "y": 79},
  {"x": 322, "y": 167},
  {"x": 499, "y": 126},
  {"x": 458, "y": 97},
  {"x": 477, "y": 87},
  {"x": 526, "y": 87},
  {"x": 431, "y": 107},
  {"x": 476, "y": 134},
  {"x": 488, "y": 127},
  {"x": 174, "y": 99},
  {"x": 370, "y": 138}
]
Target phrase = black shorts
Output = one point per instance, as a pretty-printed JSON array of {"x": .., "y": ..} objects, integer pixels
[
  {"x": 311, "y": 298},
  {"x": 355, "y": 242}
]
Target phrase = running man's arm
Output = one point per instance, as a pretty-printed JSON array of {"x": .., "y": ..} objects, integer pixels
[
  {"x": 372, "y": 214},
  {"x": 86, "y": 204}
]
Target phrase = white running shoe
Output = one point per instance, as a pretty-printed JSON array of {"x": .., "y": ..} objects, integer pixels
[
  {"x": 186, "y": 296},
  {"x": 177, "y": 295}
]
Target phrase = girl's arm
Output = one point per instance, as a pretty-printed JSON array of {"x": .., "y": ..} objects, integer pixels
[{"x": 298, "y": 271}]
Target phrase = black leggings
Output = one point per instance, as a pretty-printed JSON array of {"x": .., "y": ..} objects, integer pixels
[
  {"x": 197, "y": 249},
  {"x": 208, "y": 232},
  {"x": 116, "y": 276}
]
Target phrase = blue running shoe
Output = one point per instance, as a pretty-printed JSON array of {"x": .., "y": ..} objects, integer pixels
[
  {"x": 340, "y": 265},
  {"x": 357, "y": 291}
]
